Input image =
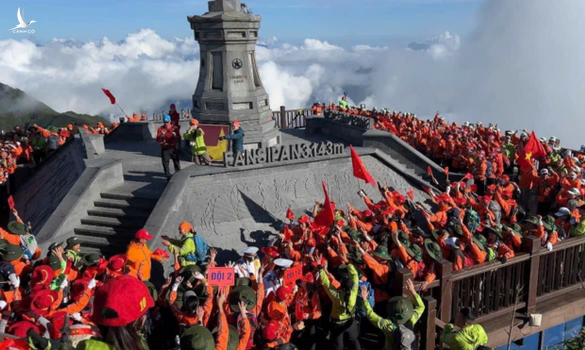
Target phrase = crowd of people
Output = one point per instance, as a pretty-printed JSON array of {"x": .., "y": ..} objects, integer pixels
[{"x": 345, "y": 260}]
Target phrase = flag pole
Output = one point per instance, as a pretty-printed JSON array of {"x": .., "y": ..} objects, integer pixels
[{"x": 121, "y": 109}]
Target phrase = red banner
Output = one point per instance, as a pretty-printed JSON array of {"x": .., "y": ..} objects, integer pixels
[
  {"x": 215, "y": 148},
  {"x": 221, "y": 276},
  {"x": 293, "y": 274}
]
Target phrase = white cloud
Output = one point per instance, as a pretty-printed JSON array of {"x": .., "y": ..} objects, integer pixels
[{"x": 511, "y": 70}]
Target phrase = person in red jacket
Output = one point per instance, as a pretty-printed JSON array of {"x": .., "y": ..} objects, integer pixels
[
  {"x": 175, "y": 116},
  {"x": 169, "y": 138}
]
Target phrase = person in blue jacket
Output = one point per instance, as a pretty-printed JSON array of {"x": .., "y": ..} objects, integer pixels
[{"x": 237, "y": 138}]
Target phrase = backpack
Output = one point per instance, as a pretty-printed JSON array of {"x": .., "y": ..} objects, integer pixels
[
  {"x": 361, "y": 309},
  {"x": 201, "y": 249},
  {"x": 403, "y": 338},
  {"x": 29, "y": 246},
  {"x": 490, "y": 169},
  {"x": 53, "y": 143}
]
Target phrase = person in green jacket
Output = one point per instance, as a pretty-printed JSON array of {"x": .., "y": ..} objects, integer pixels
[
  {"x": 469, "y": 336},
  {"x": 579, "y": 229},
  {"x": 184, "y": 247},
  {"x": 344, "y": 303},
  {"x": 343, "y": 102},
  {"x": 402, "y": 312},
  {"x": 195, "y": 136}
]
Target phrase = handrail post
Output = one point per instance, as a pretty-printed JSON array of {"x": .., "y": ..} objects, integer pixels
[
  {"x": 402, "y": 275},
  {"x": 282, "y": 117},
  {"x": 445, "y": 270},
  {"x": 428, "y": 328},
  {"x": 532, "y": 246}
]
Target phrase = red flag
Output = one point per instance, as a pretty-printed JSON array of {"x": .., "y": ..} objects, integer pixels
[
  {"x": 410, "y": 194},
  {"x": 429, "y": 171},
  {"x": 327, "y": 214},
  {"x": 533, "y": 149},
  {"x": 290, "y": 215},
  {"x": 473, "y": 188},
  {"x": 446, "y": 171},
  {"x": 160, "y": 252},
  {"x": 110, "y": 96},
  {"x": 426, "y": 189},
  {"x": 11, "y": 202},
  {"x": 359, "y": 170},
  {"x": 468, "y": 176}
]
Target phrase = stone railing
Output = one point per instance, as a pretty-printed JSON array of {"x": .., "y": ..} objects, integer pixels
[{"x": 350, "y": 119}]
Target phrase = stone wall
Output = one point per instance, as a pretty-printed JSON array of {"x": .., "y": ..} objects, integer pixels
[
  {"x": 236, "y": 209},
  {"x": 38, "y": 198}
]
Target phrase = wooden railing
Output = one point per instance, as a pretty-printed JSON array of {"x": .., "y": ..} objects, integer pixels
[
  {"x": 490, "y": 289},
  {"x": 291, "y": 119}
]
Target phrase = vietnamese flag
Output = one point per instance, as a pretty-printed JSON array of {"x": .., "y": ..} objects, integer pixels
[
  {"x": 110, "y": 96},
  {"x": 410, "y": 194},
  {"x": 290, "y": 215},
  {"x": 359, "y": 170},
  {"x": 532, "y": 149},
  {"x": 429, "y": 171},
  {"x": 327, "y": 214},
  {"x": 446, "y": 171},
  {"x": 468, "y": 176}
]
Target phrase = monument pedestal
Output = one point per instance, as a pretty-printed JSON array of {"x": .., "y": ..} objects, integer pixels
[{"x": 229, "y": 86}]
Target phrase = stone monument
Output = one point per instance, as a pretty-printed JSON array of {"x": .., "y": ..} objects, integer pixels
[{"x": 229, "y": 86}]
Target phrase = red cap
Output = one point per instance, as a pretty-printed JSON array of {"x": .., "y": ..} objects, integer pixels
[
  {"x": 309, "y": 278},
  {"x": 117, "y": 262},
  {"x": 42, "y": 302},
  {"x": 282, "y": 293},
  {"x": 143, "y": 234},
  {"x": 127, "y": 296},
  {"x": 271, "y": 251},
  {"x": 160, "y": 252},
  {"x": 304, "y": 219},
  {"x": 368, "y": 212},
  {"x": 236, "y": 122},
  {"x": 78, "y": 287},
  {"x": 42, "y": 276},
  {"x": 19, "y": 329},
  {"x": 506, "y": 178},
  {"x": 271, "y": 330}
]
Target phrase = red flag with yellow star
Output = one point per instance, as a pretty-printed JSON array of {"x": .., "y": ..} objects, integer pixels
[{"x": 532, "y": 150}]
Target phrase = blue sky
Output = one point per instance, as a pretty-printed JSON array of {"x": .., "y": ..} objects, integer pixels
[{"x": 344, "y": 22}]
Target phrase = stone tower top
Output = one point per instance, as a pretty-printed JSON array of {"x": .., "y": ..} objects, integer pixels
[{"x": 225, "y": 6}]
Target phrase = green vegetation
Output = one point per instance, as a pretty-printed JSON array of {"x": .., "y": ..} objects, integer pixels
[{"x": 17, "y": 108}]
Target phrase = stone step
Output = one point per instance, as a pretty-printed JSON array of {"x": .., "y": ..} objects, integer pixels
[
  {"x": 118, "y": 243},
  {"x": 118, "y": 212},
  {"x": 136, "y": 204},
  {"x": 104, "y": 251},
  {"x": 130, "y": 223},
  {"x": 130, "y": 197},
  {"x": 102, "y": 231}
]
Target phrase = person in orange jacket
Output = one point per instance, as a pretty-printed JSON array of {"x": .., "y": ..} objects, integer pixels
[{"x": 139, "y": 255}]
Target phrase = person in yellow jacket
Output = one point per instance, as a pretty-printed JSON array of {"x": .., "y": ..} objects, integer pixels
[
  {"x": 185, "y": 246},
  {"x": 403, "y": 312},
  {"x": 343, "y": 325},
  {"x": 195, "y": 135},
  {"x": 139, "y": 255},
  {"x": 469, "y": 336}
]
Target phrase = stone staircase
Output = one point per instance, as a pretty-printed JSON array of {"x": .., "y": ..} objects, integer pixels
[{"x": 116, "y": 216}]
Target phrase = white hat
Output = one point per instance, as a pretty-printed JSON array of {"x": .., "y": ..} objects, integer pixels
[
  {"x": 250, "y": 251},
  {"x": 572, "y": 175},
  {"x": 283, "y": 263},
  {"x": 563, "y": 211},
  {"x": 543, "y": 172},
  {"x": 552, "y": 138},
  {"x": 574, "y": 191}
]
